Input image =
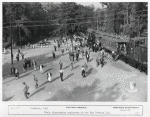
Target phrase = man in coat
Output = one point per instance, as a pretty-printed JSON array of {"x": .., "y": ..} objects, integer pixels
[
  {"x": 77, "y": 56},
  {"x": 17, "y": 57},
  {"x": 26, "y": 88},
  {"x": 55, "y": 48},
  {"x": 24, "y": 66},
  {"x": 12, "y": 70},
  {"x": 16, "y": 73},
  {"x": 53, "y": 54},
  {"x": 61, "y": 74},
  {"x": 36, "y": 81},
  {"x": 61, "y": 64}
]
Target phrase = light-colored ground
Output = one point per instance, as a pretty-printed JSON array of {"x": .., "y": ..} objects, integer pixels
[{"x": 110, "y": 83}]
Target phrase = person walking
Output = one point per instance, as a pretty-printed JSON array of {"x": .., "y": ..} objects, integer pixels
[
  {"x": 24, "y": 66},
  {"x": 22, "y": 55},
  {"x": 73, "y": 56},
  {"x": 83, "y": 71},
  {"x": 75, "y": 47},
  {"x": 82, "y": 52},
  {"x": 93, "y": 48},
  {"x": 85, "y": 67},
  {"x": 86, "y": 52},
  {"x": 29, "y": 61},
  {"x": 77, "y": 55},
  {"x": 87, "y": 58},
  {"x": 88, "y": 55},
  {"x": 78, "y": 49},
  {"x": 97, "y": 61},
  {"x": 49, "y": 76},
  {"x": 62, "y": 50},
  {"x": 16, "y": 73},
  {"x": 61, "y": 64},
  {"x": 99, "y": 46},
  {"x": 55, "y": 48},
  {"x": 36, "y": 81},
  {"x": 102, "y": 61},
  {"x": 17, "y": 57},
  {"x": 70, "y": 55},
  {"x": 26, "y": 88},
  {"x": 67, "y": 48},
  {"x": 18, "y": 51},
  {"x": 41, "y": 68},
  {"x": 58, "y": 45},
  {"x": 26, "y": 63},
  {"x": 53, "y": 54},
  {"x": 34, "y": 64},
  {"x": 61, "y": 74},
  {"x": 12, "y": 70},
  {"x": 71, "y": 65}
]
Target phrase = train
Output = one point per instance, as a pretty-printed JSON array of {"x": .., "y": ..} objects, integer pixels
[{"x": 132, "y": 51}]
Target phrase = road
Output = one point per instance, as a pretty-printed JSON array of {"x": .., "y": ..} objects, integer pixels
[{"x": 110, "y": 83}]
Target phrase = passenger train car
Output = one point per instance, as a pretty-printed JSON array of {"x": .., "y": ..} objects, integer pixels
[{"x": 131, "y": 50}]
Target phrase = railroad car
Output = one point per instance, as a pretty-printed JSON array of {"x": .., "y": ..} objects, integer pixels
[{"x": 131, "y": 50}]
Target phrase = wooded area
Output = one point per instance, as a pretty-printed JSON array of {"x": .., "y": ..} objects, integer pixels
[{"x": 32, "y": 22}]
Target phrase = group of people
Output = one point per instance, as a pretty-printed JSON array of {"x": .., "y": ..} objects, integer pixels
[
  {"x": 96, "y": 47},
  {"x": 100, "y": 59},
  {"x": 73, "y": 53},
  {"x": 35, "y": 79},
  {"x": 14, "y": 72},
  {"x": 18, "y": 55},
  {"x": 27, "y": 63}
]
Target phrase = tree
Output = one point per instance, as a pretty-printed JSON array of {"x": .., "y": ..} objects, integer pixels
[
  {"x": 128, "y": 18},
  {"x": 72, "y": 18},
  {"x": 29, "y": 14}
]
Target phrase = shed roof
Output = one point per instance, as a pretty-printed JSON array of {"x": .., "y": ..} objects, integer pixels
[{"x": 116, "y": 38}]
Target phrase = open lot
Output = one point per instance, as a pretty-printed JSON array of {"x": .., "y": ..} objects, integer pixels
[{"x": 110, "y": 83}]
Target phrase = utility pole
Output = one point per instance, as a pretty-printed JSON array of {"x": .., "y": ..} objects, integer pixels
[
  {"x": 18, "y": 24},
  {"x": 97, "y": 21},
  {"x": 127, "y": 12},
  {"x": 138, "y": 25},
  {"x": 11, "y": 39},
  {"x": 20, "y": 37}
]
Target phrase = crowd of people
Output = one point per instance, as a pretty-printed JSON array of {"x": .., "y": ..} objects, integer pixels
[{"x": 73, "y": 56}]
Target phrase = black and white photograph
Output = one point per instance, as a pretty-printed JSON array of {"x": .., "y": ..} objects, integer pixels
[{"x": 75, "y": 51}]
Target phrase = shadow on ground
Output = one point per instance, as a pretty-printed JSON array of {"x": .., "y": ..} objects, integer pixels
[
  {"x": 50, "y": 81},
  {"x": 78, "y": 60},
  {"x": 38, "y": 90},
  {"x": 41, "y": 59},
  {"x": 7, "y": 99},
  {"x": 75, "y": 67},
  {"x": 48, "y": 70},
  {"x": 68, "y": 76},
  {"x": 88, "y": 93},
  {"x": 89, "y": 71},
  {"x": 66, "y": 67},
  {"x": 64, "y": 54},
  {"x": 13, "y": 78},
  {"x": 110, "y": 94}
]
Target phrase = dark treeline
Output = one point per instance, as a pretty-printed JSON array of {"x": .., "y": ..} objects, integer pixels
[
  {"x": 128, "y": 18},
  {"x": 41, "y": 20}
]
